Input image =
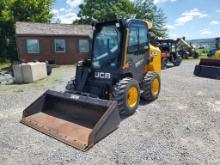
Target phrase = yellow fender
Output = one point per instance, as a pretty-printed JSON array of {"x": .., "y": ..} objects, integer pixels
[
  {"x": 155, "y": 65},
  {"x": 217, "y": 54}
]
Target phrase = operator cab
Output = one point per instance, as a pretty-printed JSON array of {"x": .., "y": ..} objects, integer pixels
[
  {"x": 106, "y": 45},
  {"x": 121, "y": 42}
]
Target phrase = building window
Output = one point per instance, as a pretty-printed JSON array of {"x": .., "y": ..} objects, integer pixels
[
  {"x": 83, "y": 45},
  {"x": 32, "y": 46},
  {"x": 60, "y": 45}
]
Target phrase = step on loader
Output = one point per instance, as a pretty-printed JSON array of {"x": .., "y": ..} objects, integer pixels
[{"x": 123, "y": 68}]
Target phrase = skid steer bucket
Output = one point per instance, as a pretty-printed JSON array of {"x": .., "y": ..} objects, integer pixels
[
  {"x": 79, "y": 121},
  {"x": 208, "y": 67}
]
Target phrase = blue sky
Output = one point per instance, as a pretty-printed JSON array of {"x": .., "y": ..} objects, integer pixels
[{"x": 191, "y": 18}]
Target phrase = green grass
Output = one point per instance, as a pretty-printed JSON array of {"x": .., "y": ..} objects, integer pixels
[
  {"x": 4, "y": 65},
  {"x": 203, "y": 52},
  {"x": 60, "y": 75}
]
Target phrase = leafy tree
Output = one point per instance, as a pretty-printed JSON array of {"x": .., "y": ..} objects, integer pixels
[
  {"x": 3, "y": 39},
  {"x": 104, "y": 10},
  {"x": 146, "y": 9},
  {"x": 19, "y": 10}
]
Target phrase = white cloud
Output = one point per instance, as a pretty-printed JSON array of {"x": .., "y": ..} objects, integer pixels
[
  {"x": 205, "y": 32},
  {"x": 160, "y": 1},
  {"x": 174, "y": 36},
  {"x": 66, "y": 18},
  {"x": 188, "y": 16},
  {"x": 218, "y": 11},
  {"x": 64, "y": 15},
  {"x": 170, "y": 27},
  {"x": 74, "y": 3},
  {"x": 54, "y": 11},
  {"x": 214, "y": 22},
  {"x": 62, "y": 9},
  {"x": 68, "y": 14}
]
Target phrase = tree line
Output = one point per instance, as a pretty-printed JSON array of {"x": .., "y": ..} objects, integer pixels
[
  {"x": 105, "y": 10},
  {"x": 12, "y": 11}
]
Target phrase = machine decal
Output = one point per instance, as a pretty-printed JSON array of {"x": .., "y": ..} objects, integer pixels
[
  {"x": 102, "y": 75},
  {"x": 154, "y": 53}
]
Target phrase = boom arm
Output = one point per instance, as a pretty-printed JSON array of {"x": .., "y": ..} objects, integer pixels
[{"x": 183, "y": 43}]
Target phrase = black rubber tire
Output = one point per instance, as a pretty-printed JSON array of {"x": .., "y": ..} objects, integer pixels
[
  {"x": 177, "y": 61},
  {"x": 164, "y": 63},
  {"x": 147, "y": 83},
  {"x": 210, "y": 54},
  {"x": 71, "y": 85},
  {"x": 120, "y": 94},
  {"x": 49, "y": 69},
  {"x": 195, "y": 55},
  {"x": 185, "y": 56}
]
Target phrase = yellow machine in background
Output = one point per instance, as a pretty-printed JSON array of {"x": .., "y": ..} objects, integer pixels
[
  {"x": 217, "y": 53},
  {"x": 210, "y": 67},
  {"x": 123, "y": 68}
]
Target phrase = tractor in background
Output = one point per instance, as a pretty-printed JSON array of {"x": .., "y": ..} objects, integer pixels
[
  {"x": 169, "y": 52},
  {"x": 185, "y": 49}
]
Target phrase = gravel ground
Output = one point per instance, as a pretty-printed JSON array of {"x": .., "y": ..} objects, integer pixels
[{"x": 181, "y": 127}]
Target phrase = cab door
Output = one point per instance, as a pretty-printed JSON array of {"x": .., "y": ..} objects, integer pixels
[{"x": 137, "y": 51}]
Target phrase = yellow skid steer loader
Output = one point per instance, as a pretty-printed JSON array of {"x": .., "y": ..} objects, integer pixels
[{"x": 123, "y": 68}]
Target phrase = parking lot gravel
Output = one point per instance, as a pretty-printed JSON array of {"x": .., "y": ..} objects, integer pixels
[{"x": 181, "y": 127}]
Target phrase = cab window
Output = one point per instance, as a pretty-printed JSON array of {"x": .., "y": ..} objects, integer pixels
[
  {"x": 137, "y": 42},
  {"x": 133, "y": 40},
  {"x": 143, "y": 39}
]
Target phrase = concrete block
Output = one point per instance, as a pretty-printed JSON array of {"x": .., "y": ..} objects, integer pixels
[
  {"x": 18, "y": 77},
  {"x": 30, "y": 72}
]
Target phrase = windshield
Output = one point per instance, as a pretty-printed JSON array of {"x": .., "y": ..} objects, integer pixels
[{"x": 106, "y": 47}]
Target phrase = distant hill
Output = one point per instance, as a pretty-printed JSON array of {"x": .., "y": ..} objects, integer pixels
[{"x": 206, "y": 43}]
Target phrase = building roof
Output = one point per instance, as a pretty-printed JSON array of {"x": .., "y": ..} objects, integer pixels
[{"x": 27, "y": 28}]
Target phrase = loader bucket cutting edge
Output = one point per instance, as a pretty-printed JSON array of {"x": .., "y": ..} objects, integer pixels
[
  {"x": 76, "y": 120},
  {"x": 209, "y": 68}
]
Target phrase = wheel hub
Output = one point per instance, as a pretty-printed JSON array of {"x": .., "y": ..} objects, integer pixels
[
  {"x": 132, "y": 97},
  {"x": 155, "y": 86}
]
